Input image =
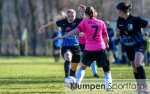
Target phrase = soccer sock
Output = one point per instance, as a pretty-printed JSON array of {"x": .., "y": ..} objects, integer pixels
[
  {"x": 94, "y": 69},
  {"x": 72, "y": 73},
  {"x": 80, "y": 75},
  {"x": 66, "y": 68},
  {"x": 108, "y": 80},
  {"x": 136, "y": 76},
  {"x": 142, "y": 76}
]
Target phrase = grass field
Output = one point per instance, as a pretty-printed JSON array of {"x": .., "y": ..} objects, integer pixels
[{"x": 39, "y": 75}]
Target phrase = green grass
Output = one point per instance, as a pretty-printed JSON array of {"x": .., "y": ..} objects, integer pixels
[{"x": 38, "y": 75}]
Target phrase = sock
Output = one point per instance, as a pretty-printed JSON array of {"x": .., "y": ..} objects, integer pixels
[
  {"x": 142, "y": 76},
  {"x": 136, "y": 76},
  {"x": 80, "y": 75},
  {"x": 66, "y": 68},
  {"x": 108, "y": 80},
  {"x": 72, "y": 73},
  {"x": 94, "y": 69}
]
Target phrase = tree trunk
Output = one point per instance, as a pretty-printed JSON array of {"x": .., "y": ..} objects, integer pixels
[
  {"x": 0, "y": 25},
  {"x": 19, "y": 27},
  {"x": 33, "y": 39}
]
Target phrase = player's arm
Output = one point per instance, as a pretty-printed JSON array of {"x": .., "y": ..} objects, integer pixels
[
  {"x": 69, "y": 34},
  {"x": 50, "y": 24},
  {"x": 105, "y": 36},
  {"x": 75, "y": 31},
  {"x": 106, "y": 41}
]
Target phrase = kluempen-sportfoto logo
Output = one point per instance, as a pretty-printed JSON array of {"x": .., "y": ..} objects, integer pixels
[
  {"x": 124, "y": 86},
  {"x": 121, "y": 86}
]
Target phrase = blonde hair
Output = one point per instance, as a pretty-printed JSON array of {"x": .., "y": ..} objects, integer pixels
[
  {"x": 63, "y": 15},
  {"x": 71, "y": 11}
]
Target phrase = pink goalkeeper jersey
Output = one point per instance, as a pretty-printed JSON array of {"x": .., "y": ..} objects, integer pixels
[{"x": 94, "y": 31}]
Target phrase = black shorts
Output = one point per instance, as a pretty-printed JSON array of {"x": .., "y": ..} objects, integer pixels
[
  {"x": 75, "y": 50},
  {"x": 100, "y": 57},
  {"x": 131, "y": 50},
  {"x": 82, "y": 46}
]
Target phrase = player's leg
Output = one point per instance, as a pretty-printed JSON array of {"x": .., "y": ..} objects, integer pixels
[
  {"x": 94, "y": 69},
  {"x": 107, "y": 78},
  {"x": 67, "y": 57},
  {"x": 138, "y": 59},
  {"x": 54, "y": 54},
  {"x": 131, "y": 54},
  {"x": 57, "y": 55},
  {"x": 103, "y": 61},
  {"x": 140, "y": 69},
  {"x": 86, "y": 61},
  {"x": 75, "y": 59},
  {"x": 93, "y": 65},
  {"x": 80, "y": 73}
]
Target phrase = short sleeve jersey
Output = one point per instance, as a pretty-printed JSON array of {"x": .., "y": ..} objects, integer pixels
[
  {"x": 130, "y": 30},
  {"x": 67, "y": 27},
  {"x": 94, "y": 31}
]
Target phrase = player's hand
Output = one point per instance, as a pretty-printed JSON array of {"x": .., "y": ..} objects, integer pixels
[
  {"x": 41, "y": 30},
  {"x": 107, "y": 45}
]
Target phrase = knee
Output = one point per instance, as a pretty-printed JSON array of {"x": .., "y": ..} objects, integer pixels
[{"x": 68, "y": 56}]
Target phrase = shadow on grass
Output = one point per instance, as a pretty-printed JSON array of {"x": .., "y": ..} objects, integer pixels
[
  {"x": 30, "y": 63},
  {"x": 56, "y": 92},
  {"x": 31, "y": 80}
]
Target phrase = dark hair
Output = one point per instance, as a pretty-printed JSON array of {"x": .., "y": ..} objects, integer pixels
[
  {"x": 124, "y": 7},
  {"x": 90, "y": 11}
]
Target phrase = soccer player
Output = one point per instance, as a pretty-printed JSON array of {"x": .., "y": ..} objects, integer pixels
[
  {"x": 81, "y": 38},
  {"x": 112, "y": 43},
  {"x": 129, "y": 30},
  {"x": 57, "y": 45},
  {"x": 70, "y": 47},
  {"x": 95, "y": 47}
]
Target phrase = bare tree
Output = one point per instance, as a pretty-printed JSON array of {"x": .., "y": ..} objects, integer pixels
[
  {"x": 0, "y": 24},
  {"x": 33, "y": 30},
  {"x": 19, "y": 26}
]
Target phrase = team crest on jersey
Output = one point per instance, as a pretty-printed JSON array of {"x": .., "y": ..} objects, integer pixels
[
  {"x": 68, "y": 28},
  {"x": 130, "y": 27}
]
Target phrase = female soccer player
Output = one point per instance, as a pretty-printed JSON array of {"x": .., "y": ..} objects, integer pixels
[
  {"x": 81, "y": 38},
  {"x": 70, "y": 47},
  {"x": 95, "y": 47},
  {"x": 129, "y": 30}
]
